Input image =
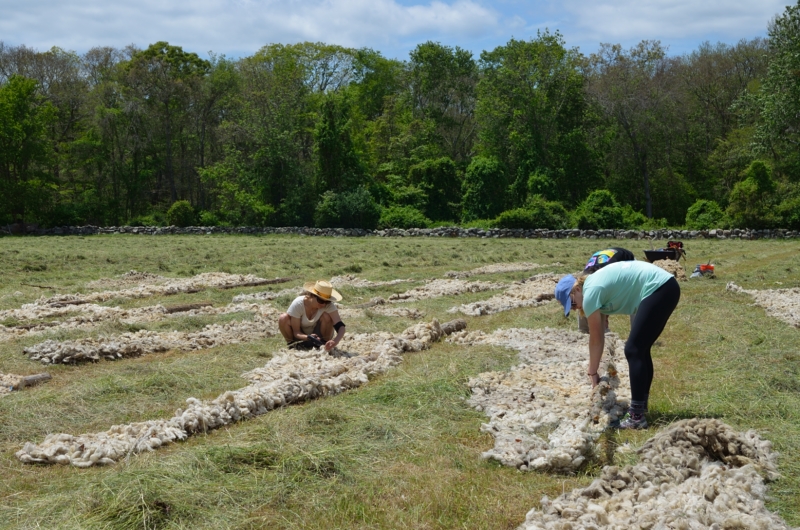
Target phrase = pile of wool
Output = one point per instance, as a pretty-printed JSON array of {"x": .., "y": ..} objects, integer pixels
[
  {"x": 495, "y": 268},
  {"x": 378, "y": 306},
  {"x": 439, "y": 288},
  {"x": 543, "y": 413},
  {"x": 172, "y": 286},
  {"x": 532, "y": 292},
  {"x": 144, "y": 342},
  {"x": 289, "y": 377},
  {"x": 783, "y": 304},
  {"x": 267, "y": 295},
  {"x": 673, "y": 267},
  {"x": 9, "y": 382},
  {"x": 90, "y": 315},
  {"x": 349, "y": 280},
  {"x": 132, "y": 277},
  {"x": 698, "y": 474}
]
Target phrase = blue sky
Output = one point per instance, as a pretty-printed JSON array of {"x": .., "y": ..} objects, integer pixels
[{"x": 240, "y": 27}]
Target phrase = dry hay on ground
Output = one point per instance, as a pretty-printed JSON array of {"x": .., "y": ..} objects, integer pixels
[
  {"x": 196, "y": 283},
  {"x": 673, "y": 267},
  {"x": 127, "y": 279},
  {"x": 439, "y": 288},
  {"x": 532, "y": 292},
  {"x": 783, "y": 304},
  {"x": 348, "y": 280},
  {"x": 144, "y": 342},
  {"x": 543, "y": 413},
  {"x": 89, "y": 316},
  {"x": 289, "y": 377},
  {"x": 698, "y": 474}
]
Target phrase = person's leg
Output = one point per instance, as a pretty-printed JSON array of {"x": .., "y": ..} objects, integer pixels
[
  {"x": 652, "y": 316},
  {"x": 285, "y": 327},
  {"x": 324, "y": 327}
]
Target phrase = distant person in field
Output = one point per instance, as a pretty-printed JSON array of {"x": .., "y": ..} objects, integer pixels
[
  {"x": 622, "y": 289},
  {"x": 312, "y": 318},
  {"x": 599, "y": 259}
]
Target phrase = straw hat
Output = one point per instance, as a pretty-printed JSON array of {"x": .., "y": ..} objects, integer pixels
[{"x": 322, "y": 289}]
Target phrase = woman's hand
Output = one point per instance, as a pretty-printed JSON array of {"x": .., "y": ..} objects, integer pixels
[
  {"x": 595, "y": 379},
  {"x": 330, "y": 345}
]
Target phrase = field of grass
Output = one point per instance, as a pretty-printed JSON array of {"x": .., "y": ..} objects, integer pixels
[{"x": 400, "y": 452}]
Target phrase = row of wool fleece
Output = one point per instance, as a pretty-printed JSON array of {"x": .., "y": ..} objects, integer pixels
[
  {"x": 547, "y": 392},
  {"x": 9, "y": 382},
  {"x": 144, "y": 342},
  {"x": 289, "y": 377},
  {"x": 783, "y": 304},
  {"x": 90, "y": 316},
  {"x": 531, "y": 292},
  {"x": 698, "y": 474},
  {"x": 172, "y": 286}
]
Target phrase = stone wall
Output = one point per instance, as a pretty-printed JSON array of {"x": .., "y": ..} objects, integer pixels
[{"x": 538, "y": 233}]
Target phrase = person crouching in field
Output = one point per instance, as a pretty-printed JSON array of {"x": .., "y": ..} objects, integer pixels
[
  {"x": 312, "y": 318},
  {"x": 599, "y": 259},
  {"x": 620, "y": 289}
]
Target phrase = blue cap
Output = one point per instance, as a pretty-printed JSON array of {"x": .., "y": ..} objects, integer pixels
[{"x": 563, "y": 288}]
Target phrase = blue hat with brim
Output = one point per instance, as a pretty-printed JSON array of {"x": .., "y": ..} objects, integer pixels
[{"x": 563, "y": 288}]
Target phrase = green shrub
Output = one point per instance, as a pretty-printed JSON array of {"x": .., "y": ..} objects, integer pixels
[
  {"x": 704, "y": 214},
  {"x": 207, "y": 218},
  {"x": 751, "y": 202},
  {"x": 153, "y": 219},
  {"x": 484, "y": 189},
  {"x": 789, "y": 213},
  {"x": 181, "y": 213},
  {"x": 599, "y": 210},
  {"x": 353, "y": 209},
  {"x": 403, "y": 217}
]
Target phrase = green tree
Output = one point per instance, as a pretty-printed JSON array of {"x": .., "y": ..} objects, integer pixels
[
  {"x": 165, "y": 79},
  {"x": 484, "y": 189},
  {"x": 752, "y": 199},
  {"x": 339, "y": 167},
  {"x": 532, "y": 112},
  {"x": 24, "y": 147},
  {"x": 778, "y": 129},
  {"x": 439, "y": 180}
]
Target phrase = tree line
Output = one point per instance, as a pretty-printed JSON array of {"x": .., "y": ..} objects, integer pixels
[{"x": 531, "y": 134}]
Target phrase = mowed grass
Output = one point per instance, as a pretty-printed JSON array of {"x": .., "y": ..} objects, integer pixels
[{"x": 404, "y": 450}]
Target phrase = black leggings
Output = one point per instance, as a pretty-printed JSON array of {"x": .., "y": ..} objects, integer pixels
[{"x": 649, "y": 322}]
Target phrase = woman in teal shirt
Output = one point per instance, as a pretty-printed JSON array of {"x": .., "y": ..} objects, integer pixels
[{"x": 622, "y": 289}]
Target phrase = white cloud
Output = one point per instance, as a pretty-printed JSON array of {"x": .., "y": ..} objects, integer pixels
[
  {"x": 667, "y": 20},
  {"x": 239, "y": 27}
]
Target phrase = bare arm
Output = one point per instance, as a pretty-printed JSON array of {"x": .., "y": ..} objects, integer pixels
[
  {"x": 597, "y": 340},
  {"x": 297, "y": 330},
  {"x": 331, "y": 344}
]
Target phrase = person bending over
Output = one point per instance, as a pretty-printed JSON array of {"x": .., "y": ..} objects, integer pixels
[
  {"x": 597, "y": 261},
  {"x": 621, "y": 289},
  {"x": 312, "y": 318}
]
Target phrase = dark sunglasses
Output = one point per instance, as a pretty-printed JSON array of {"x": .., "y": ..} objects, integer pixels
[
  {"x": 322, "y": 300},
  {"x": 573, "y": 305}
]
